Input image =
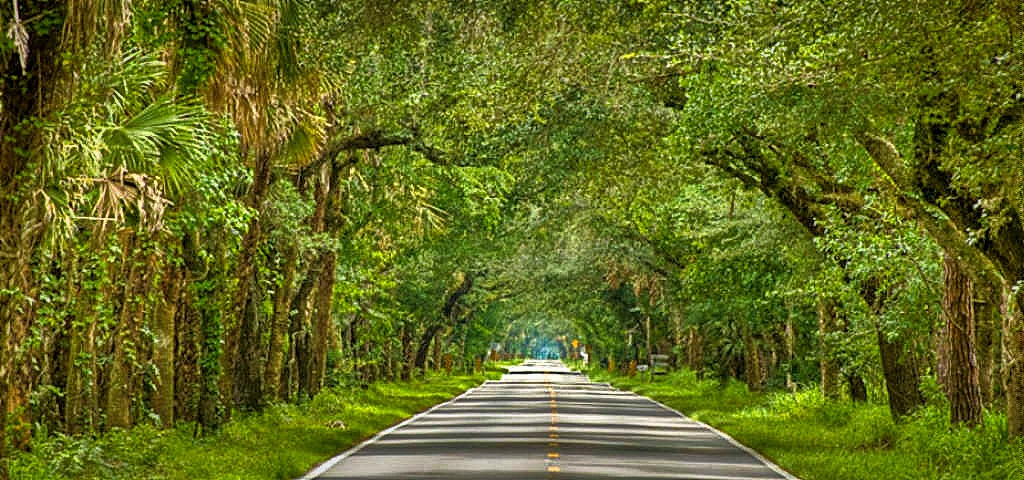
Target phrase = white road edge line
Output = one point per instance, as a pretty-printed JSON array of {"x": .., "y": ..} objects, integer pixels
[
  {"x": 777, "y": 469},
  {"x": 757, "y": 456},
  {"x": 324, "y": 467}
]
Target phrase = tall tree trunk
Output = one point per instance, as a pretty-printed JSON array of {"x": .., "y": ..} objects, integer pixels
[
  {"x": 678, "y": 339},
  {"x": 243, "y": 319},
  {"x": 25, "y": 92},
  {"x": 988, "y": 296},
  {"x": 248, "y": 372},
  {"x": 423, "y": 347},
  {"x": 322, "y": 328},
  {"x": 695, "y": 351},
  {"x": 902, "y": 377},
  {"x": 962, "y": 386},
  {"x": 1013, "y": 352},
  {"x": 117, "y": 402},
  {"x": 299, "y": 329},
  {"x": 188, "y": 341},
  {"x": 279, "y": 327},
  {"x": 81, "y": 387},
  {"x": 164, "y": 330},
  {"x": 828, "y": 325},
  {"x": 211, "y": 352}
]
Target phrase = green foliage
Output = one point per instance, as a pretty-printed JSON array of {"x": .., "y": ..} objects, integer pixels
[
  {"x": 281, "y": 443},
  {"x": 818, "y": 439}
]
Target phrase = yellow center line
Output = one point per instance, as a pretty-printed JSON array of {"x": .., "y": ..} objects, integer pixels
[{"x": 553, "y": 455}]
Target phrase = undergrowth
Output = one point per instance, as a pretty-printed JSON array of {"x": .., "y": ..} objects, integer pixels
[
  {"x": 817, "y": 439},
  {"x": 281, "y": 442}
]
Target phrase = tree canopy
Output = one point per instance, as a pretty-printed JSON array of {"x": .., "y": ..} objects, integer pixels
[{"x": 209, "y": 206}]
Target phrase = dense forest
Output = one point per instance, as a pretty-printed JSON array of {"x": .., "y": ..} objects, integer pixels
[{"x": 210, "y": 206}]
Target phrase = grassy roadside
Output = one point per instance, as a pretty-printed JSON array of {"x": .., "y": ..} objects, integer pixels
[
  {"x": 819, "y": 440},
  {"x": 283, "y": 442}
]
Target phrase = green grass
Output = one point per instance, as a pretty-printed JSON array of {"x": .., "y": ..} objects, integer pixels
[
  {"x": 819, "y": 440},
  {"x": 283, "y": 442}
]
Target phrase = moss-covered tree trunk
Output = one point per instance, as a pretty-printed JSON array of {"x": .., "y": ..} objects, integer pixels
[
  {"x": 1013, "y": 352},
  {"x": 988, "y": 296},
  {"x": 279, "y": 324},
  {"x": 240, "y": 382},
  {"x": 123, "y": 339},
  {"x": 164, "y": 333},
  {"x": 26, "y": 92},
  {"x": 322, "y": 324}
]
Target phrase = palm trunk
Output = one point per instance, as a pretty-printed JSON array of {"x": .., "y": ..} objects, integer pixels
[
  {"x": 117, "y": 400},
  {"x": 188, "y": 341},
  {"x": 164, "y": 330},
  {"x": 81, "y": 382}
]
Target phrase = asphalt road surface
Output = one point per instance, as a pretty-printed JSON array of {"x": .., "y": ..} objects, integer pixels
[{"x": 543, "y": 421}]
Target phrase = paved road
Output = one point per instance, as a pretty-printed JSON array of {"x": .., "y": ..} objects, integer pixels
[{"x": 543, "y": 421}]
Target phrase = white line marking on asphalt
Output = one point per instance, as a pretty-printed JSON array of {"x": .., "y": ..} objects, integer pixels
[
  {"x": 777, "y": 469},
  {"x": 324, "y": 467}
]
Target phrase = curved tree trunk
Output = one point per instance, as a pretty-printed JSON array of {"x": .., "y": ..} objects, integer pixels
[
  {"x": 423, "y": 347},
  {"x": 448, "y": 312}
]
